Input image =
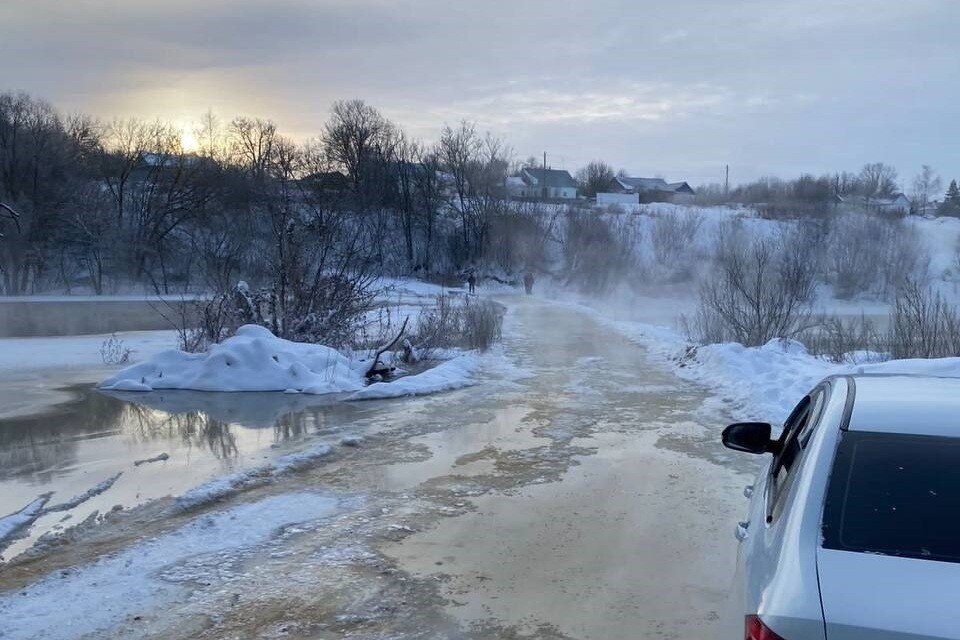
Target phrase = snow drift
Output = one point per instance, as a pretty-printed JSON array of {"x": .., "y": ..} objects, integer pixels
[
  {"x": 766, "y": 382},
  {"x": 252, "y": 360},
  {"x": 256, "y": 360}
]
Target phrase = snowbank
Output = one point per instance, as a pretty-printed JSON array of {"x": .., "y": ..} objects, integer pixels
[
  {"x": 755, "y": 383},
  {"x": 766, "y": 382},
  {"x": 252, "y": 360},
  {"x": 452, "y": 374}
]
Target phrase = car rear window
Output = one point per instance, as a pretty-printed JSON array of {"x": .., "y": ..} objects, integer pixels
[{"x": 896, "y": 495}]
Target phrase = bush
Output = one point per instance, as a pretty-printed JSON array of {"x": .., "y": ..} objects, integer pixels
[
  {"x": 836, "y": 339},
  {"x": 873, "y": 254},
  {"x": 113, "y": 351},
  {"x": 759, "y": 289},
  {"x": 597, "y": 252},
  {"x": 472, "y": 324},
  {"x": 923, "y": 324},
  {"x": 673, "y": 237},
  {"x": 517, "y": 238}
]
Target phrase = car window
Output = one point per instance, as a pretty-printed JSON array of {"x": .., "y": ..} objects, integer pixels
[
  {"x": 813, "y": 418},
  {"x": 895, "y": 494},
  {"x": 794, "y": 438}
]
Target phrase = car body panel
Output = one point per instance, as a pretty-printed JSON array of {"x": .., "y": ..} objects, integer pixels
[
  {"x": 777, "y": 560},
  {"x": 802, "y": 590},
  {"x": 888, "y": 598},
  {"x": 907, "y": 404}
]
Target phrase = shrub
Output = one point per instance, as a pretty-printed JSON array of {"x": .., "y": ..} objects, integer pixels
[
  {"x": 113, "y": 351},
  {"x": 759, "y": 289},
  {"x": 923, "y": 324},
  {"x": 597, "y": 252},
  {"x": 672, "y": 238},
  {"x": 836, "y": 339},
  {"x": 471, "y": 324},
  {"x": 873, "y": 254}
]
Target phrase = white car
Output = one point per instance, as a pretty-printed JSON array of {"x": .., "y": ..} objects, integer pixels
[{"x": 854, "y": 526}]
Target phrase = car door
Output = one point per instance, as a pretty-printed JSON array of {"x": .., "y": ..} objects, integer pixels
[{"x": 762, "y": 535}]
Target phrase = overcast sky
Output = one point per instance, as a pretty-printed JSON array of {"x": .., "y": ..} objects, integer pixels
[{"x": 672, "y": 88}]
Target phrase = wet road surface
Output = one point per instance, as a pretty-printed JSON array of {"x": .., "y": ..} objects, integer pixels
[{"x": 577, "y": 493}]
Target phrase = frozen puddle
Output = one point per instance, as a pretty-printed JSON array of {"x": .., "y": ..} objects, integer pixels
[{"x": 142, "y": 578}]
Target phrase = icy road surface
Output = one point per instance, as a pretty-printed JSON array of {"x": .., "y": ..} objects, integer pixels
[{"x": 588, "y": 498}]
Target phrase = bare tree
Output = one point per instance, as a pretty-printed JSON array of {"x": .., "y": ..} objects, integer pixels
[
  {"x": 595, "y": 177},
  {"x": 925, "y": 185},
  {"x": 252, "y": 143},
  {"x": 877, "y": 180},
  {"x": 353, "y": 136},
  {"x": 458, "y": 150}
]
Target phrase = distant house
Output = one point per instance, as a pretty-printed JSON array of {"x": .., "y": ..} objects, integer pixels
[
  {"x": 896, "y": 203},
  {"x": 545, "y": 184},
  {"x": 653, "y": 189}
]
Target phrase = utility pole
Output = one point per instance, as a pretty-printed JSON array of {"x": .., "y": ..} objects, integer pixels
[
  {"x": 545, "y": 190},
  {"x": 726, "y": 181}
]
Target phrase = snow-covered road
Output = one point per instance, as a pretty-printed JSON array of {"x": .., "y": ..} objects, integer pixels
[{"x": 579, "y": 492}]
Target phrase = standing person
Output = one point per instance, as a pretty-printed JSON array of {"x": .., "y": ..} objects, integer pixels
[
  {"x": 472, "y": 282},
  {"x": 528, "y": 282}
]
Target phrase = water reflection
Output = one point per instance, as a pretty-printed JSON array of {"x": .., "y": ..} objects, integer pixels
[{"x": 44, "y": 446}]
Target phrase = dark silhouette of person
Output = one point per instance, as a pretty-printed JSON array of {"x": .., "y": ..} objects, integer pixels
[
  {"x": 472, "y": 282},
  {"x": 528, "y": 282}
]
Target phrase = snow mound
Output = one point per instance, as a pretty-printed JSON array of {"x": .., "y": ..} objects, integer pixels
[
  {"x": 452, "y": 374},
  {"x": 252, "y": 360}
]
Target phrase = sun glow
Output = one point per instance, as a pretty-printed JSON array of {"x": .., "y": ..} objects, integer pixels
[{"x": 188, "y": 140}]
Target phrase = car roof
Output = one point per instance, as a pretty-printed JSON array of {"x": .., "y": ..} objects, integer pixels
[{"x": 907, "y": 404}]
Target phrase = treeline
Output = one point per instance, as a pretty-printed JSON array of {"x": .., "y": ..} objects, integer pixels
[
  {"x": 105, "y": 205},
  {"x": 875, "y": 181}
]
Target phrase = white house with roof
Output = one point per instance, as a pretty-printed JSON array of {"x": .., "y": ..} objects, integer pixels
[
  {"x": 895, "y": 203},
  {"x": 652, "y": 189},
  {"x": 545, "y": 184}
]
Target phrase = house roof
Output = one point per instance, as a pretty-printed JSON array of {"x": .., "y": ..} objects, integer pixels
[
  {"x": 680, "y": 187},
  {"x": 653, "y": 184},
  {"x": 549, "y": 178},
  {"x": 644, "y": 184}
]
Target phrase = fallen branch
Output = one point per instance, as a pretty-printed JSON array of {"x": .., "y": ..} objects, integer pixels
[
  {"x": 13, "y": 215},
  {"x": 374, "y": 370}
]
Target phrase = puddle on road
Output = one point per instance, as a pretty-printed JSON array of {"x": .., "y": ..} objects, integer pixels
[{"x": 78, "y": 444}]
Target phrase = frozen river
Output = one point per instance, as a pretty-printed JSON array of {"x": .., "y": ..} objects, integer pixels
[{"x": 588, "y": 498}]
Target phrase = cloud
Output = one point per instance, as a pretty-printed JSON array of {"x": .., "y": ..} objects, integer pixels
[{"x": 805, "y": 85}]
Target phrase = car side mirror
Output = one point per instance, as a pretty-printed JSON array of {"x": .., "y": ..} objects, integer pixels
[{"x": 749, "y": 437}]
